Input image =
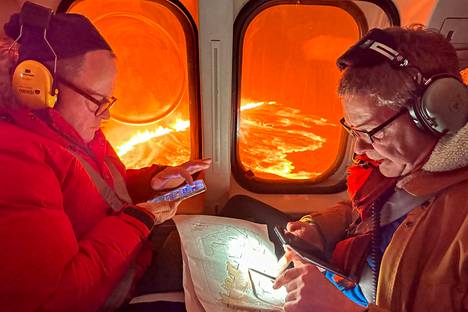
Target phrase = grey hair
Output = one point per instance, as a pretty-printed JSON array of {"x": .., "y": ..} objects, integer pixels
[
  {"x": 426, "y": 49},
  {"x": 68, "y": 68},
  {"x": 8, "y": 60}
]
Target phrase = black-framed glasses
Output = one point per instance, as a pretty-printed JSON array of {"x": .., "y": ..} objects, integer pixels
[
  {"x": 369, "y": 135},
  {"x": 104, "y": 104}
]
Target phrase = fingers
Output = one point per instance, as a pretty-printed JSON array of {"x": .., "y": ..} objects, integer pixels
[
  {"x": 287, "y": 276},
  {"x": 170, "y": 177},
  {"x": 292, "y": 306},
  {"x": 186, "y": 175},
  {"x": 307, "y": 232},
  {"x": 291, "y": 296},
  {"x": 295, "y": 226},
  {"x": 310, "y": 291},
  {"x": 292, "y": 255},
  {"x": 167, "y": 213},
  {"x": 194, "y": 166},
  {"x": 172, "y": 212},
  {"x": 175, "y": 204},
  {"x": 288, "y": 255}
]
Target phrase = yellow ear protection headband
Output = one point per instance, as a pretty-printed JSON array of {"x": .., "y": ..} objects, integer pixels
[
  {"x": 32, "y": 83},
  {"x": 441, "y": 105}
]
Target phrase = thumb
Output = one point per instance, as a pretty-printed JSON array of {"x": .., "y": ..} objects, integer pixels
[{"x": 294, "y": 226}]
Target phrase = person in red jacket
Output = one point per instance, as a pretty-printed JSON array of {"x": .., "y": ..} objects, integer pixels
[{"x": 70, "y": 235}]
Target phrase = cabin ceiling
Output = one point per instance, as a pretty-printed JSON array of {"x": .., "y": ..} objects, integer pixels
[{"x": 410, "y": 11}]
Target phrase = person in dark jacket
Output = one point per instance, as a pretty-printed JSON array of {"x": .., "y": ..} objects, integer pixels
[
  {"x": 417, "y": 133},
  {"x": 402, "y": 238}
]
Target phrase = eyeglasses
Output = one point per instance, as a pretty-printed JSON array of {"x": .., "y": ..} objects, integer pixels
[
  {"x": 369, "y": 135},
  {"x": 103, "y": 105}
]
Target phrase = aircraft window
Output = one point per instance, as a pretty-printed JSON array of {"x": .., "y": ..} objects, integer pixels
[
  {"x": 464, "y": 74},
  {"x": 287, "y": 109},
  {"x": 156, "y": 119}
]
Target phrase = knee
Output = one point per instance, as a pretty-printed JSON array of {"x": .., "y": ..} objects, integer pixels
[{"x": 235, "y": 204}]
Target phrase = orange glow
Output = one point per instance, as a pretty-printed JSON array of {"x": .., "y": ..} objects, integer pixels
[
  {"x": 159, "y": 143},
  {"x": 464, "y": 74},
  {"x": 289, "y": 109},
  {"x": 150, "y": 121},
  {"x": 278, "y": 133}
]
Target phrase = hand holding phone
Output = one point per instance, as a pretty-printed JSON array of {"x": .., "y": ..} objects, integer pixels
[
  {"x": 181, "y": 193},
  {"x": 262, "y": 288},
  {"x": 291, "y": 240},
  {"x": 162, "y": 211}
]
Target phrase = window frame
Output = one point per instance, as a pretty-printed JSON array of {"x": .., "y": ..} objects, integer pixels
[
  {"x": 190, "y": 29},
  {"x": 323, "y": 183}
]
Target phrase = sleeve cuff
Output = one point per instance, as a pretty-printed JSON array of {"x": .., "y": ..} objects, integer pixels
[{"x": 142, "y": 215}]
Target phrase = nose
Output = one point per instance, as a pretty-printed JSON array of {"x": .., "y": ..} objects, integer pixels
[
  {"x": 105, "y": 115},
  {"x": 362, "y": 146}
]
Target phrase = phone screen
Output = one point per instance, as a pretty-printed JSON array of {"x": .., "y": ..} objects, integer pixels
[
  {"x": 262, "y": 287},
  {"x": 308, "y": 252},
  {"x": 182, "y": 192}
]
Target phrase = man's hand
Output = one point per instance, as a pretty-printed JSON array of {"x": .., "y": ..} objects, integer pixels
[
  {"x": 308, "y": 232},
  {"x": 309, "y": 290},
  {"x": 172, "y": 177},
  {"x": 162, "y": 211}
]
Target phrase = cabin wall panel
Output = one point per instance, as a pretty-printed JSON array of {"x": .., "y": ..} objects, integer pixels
[{"x": 215, "y": 40}]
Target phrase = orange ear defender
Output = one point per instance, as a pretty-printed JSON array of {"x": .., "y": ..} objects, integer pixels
[{"x": 32, "y": 82}]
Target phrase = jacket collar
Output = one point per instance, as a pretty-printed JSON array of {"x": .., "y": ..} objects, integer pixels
[
  {"x": 450, "y": 153},
  {"x": 424, "y": 183},
  {"x": 49, "y": 123},
  {"x": 96, "y": 148},
  {"x": 447, "y": 165}
]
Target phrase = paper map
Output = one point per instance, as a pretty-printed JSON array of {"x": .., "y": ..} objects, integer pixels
[{"x": 218, "y": 253}]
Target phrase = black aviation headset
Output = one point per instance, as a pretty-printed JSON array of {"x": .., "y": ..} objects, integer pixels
[
  {"x": 32, "y": 83},
  {"x": 442, "y": 100}
]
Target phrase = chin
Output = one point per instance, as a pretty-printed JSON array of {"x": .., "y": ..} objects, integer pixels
[
  {"x": 391, "y": 170},
  {"x": 88, "y": 138}
]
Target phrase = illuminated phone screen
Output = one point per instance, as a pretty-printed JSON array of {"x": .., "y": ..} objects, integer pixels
[
  {"x": 182, "y": 192},
  {"x": 262, "y": 287}
]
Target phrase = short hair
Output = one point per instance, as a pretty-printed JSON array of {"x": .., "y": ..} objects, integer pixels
[
  {"x": 68, "y": 68},
  {"x": 426, "y": 49},
  {"x": 8, "y": 60}
]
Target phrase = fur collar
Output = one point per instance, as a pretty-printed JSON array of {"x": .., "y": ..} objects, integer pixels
[{"x": 450, "y": 153}]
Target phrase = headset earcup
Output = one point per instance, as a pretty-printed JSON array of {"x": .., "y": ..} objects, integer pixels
[
  {"x": 32, "y": 85},
  {"x": 443, "y": 106}
]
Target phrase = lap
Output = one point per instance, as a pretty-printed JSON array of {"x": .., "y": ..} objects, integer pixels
[
  {"x": 247, "y": 208},
  {"x": 165, "y": 272}
]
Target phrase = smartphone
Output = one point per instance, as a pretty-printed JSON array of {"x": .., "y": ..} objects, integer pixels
[
  {"x": 262, "y": 288},
  {"x": 308, "y": 252},
  {"x": 183, "y": 192}
]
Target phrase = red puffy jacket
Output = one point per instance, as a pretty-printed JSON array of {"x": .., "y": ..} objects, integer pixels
[{"x": 62, "y": 247}]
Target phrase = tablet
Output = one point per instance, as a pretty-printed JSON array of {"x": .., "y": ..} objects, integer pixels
[{"x": 308, "y": 253}]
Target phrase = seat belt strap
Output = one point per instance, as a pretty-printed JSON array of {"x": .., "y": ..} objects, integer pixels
[{"x": 117, "y": 198}]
